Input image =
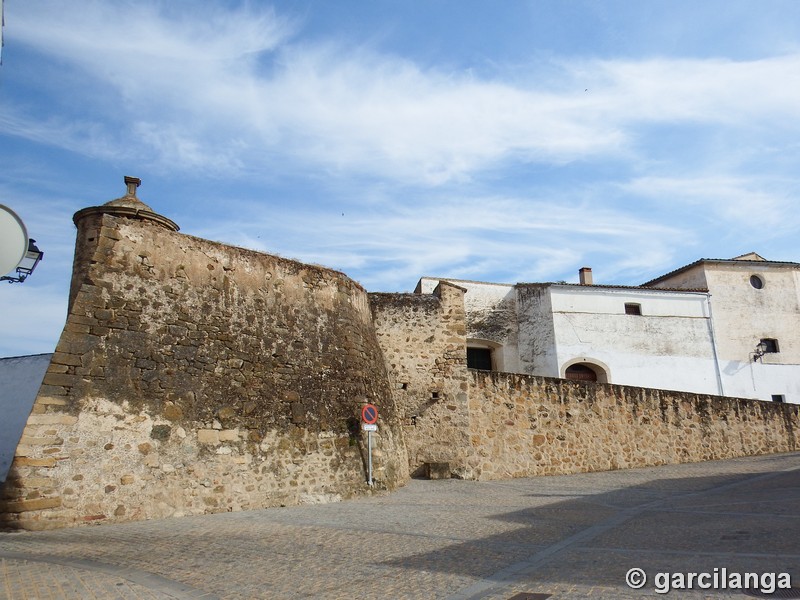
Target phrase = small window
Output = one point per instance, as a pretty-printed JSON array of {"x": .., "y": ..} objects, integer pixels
[
  {"x": 778, "y": 398},
  {"x": 769, "y": 345},
  {"x": 756, "y": 282},
  {"x": 633, "y": 309},
  {"x": 479, "y": 358}
]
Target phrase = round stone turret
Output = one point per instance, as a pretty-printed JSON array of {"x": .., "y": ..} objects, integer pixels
[{"x": 127, "y": 206}]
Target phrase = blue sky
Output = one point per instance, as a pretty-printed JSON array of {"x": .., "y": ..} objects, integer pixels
[{"x": 496, "y": 141}]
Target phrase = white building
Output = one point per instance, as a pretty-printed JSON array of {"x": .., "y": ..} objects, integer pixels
[
  {"x": 724, "y": 327},
  {"x": 755, "y": 307}
]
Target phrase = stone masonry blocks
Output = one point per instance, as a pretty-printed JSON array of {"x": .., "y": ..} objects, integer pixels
[{"x": 194, "y": 377}]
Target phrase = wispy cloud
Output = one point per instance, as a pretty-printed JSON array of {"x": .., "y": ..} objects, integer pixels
[
  {"x": 735, "y": 93},
  {"x": 361, "y": 156},
  {"x": 516, "y": 239},
  {"x": 738, "y": 202},
  {"x": 244, "y": 88}
]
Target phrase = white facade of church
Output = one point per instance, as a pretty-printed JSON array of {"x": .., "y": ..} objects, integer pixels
[{"x": 723, "y": 327}]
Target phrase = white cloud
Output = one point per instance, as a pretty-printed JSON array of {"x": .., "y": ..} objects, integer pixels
[
  {"x": 729, "y": 201},
  {"x": 736, "y": 93},
  {"x": 82, "y": 136},
  {"x": 632, "y": 166},
  {"x": 510, "y": 239},
  {"x": 231, "y": 89},
  {"x": 138, "y": 38}
]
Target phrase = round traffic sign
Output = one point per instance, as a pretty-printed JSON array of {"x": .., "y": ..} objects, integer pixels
[{"x": 369, "y": 414}]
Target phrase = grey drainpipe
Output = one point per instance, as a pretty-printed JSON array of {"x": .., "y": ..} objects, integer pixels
[{"x": 714, "y": 346}]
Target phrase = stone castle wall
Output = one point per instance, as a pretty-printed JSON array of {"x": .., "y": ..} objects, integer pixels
[
  {"x": 194, "y": 377},
  {"x": 523, "y": 426},
  {"x": 423, "y": 337}
]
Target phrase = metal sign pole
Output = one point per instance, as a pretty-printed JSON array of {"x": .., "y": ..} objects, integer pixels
[
  {"x": 369, "y": 454},
  {"x": 369, "y": 418}
]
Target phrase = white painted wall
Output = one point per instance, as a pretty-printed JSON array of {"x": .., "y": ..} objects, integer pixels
[
  {"x": 743, "y": 315},
  {"x": 668, "y": 346},
  {"x": 684, "y": 340}
]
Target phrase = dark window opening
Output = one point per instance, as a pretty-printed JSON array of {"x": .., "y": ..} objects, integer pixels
[
  {"x": 778, "y": 398},
  {"x": 580, "y": 373},
  {"x": 633, "y": 309},
  {"x": 479, "y": 358},
  {"x": 756, "y": 282},
  {"x": 769, "y": 345}
]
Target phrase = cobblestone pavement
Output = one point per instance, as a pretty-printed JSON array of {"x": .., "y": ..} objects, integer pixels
[{"x": 573, "y": 536}]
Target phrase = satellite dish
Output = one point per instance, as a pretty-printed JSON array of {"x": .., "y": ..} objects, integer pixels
[{"x": 13, "y": 240}]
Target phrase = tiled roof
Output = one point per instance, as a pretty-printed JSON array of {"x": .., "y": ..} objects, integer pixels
[
  {"x": 640, "y": 288},
  {"x": 755, "y": 264},
  {"x": 575, "y": 285}
]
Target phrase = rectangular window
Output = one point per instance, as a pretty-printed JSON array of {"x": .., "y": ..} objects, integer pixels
[
  {"x": 633, "y": 309},
  {"x": 769, "y": 345},
  {"x": 778, "y": 398},
  {"x": 479, "y": 358}
]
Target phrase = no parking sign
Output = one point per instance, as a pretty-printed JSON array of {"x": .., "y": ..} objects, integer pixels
[{"x": 369, "y": 414}]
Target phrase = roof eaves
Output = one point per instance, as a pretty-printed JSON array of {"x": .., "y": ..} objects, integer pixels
[
  {"x": 614, "y": 287},
  {"x": 734, "y": 261}
]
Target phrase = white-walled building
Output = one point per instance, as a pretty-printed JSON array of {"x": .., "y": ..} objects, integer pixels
[
  {"x": 724, "y": 327},
  {"x": 755, "y": 309}
]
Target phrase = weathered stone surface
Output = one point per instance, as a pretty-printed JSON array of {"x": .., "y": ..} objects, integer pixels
[
  {"x": 229, "y": 435},
  {"x": 172, "y": 412},
  {"x": 214, "y": 379},
  {"x": 160, "y": 432},
  {"x": 25, "y": 461},
  {"x": 20, "y": 506},
  {"x": 186, "y": 361},
  {"x": 52, "y": 419},
  {"x": 524, "y": 426},
  {"x": 208, "y": 436},
  {"x": 424, "y": 348}
]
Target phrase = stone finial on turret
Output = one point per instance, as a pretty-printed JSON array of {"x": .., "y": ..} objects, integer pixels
[
  {"x": 132, "y": 183},
  {"x": 128, "y": 206}
]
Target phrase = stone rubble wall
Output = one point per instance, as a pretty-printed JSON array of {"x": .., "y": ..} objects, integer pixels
[
  {"x": 193, "y": 377},
  {"x": 524, "y": 426},
  {"x": 423, "y": 337}
]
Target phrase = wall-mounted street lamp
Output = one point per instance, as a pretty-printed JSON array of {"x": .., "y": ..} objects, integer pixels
[
  {"x": 26, "y": 266},
  {"x": 765, "y": 346},
  {"x": 18, "y": 252},
  {"x": 761, "y": 350}
]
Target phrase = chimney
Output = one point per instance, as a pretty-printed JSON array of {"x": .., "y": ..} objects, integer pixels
[{"x": 585, "y": 274}]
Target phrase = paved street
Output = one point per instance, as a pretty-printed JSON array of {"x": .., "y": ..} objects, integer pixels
[{"x": 570, "y": 536}]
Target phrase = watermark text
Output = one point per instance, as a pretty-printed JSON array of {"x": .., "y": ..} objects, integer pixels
[{"x": 718, "y": 579}]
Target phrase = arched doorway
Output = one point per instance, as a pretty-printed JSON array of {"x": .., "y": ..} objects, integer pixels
[{"x": 582, "y": 370}]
